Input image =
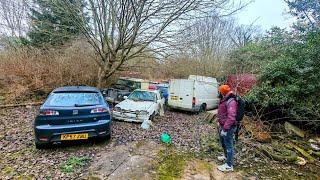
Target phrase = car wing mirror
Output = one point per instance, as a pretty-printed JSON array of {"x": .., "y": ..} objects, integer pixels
[
  {"x": 104, "y": 93},
  {"x": 125, "y": 97},
  {"x": 159, "y": 101}
]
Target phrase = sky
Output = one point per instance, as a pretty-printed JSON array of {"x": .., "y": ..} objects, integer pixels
[{"x": 266, "y": 14}]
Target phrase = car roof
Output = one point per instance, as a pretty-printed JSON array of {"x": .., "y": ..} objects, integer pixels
[
  {"x": 147, "y": 90},
  {"x": 132, "y": 79},
  {"x": 76, "y": 89}
]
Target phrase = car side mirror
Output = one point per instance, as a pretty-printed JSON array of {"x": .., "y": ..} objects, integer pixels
[
  {"x": 125, "y": 97},
  {"x": 159, "y": 101}
]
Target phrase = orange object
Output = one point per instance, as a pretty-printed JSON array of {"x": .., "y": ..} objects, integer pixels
[{"x": 224, "y": 89}]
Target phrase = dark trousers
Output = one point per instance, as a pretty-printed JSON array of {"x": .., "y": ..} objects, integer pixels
[{"x": 227, "y": 145}]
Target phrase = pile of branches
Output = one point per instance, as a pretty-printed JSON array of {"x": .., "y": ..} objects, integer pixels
[{"x": 291, "y": 145}]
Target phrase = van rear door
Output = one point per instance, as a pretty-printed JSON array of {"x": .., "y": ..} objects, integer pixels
[{"x": 181, "y": 93}]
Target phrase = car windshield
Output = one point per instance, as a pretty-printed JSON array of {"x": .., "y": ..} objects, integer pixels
[
  {"x": 142, "y": 96},
  {"x": 66, "y": 99},
  {"x": 129, "y": 83}
]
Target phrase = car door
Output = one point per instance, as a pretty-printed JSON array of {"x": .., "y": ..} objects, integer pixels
[
  {"x": 163, "y": 99},
  {"x": 160, "y": 104}
]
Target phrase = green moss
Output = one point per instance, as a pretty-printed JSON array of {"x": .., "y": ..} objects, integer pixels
[
  {"x": 24, "y": 177},
  {"x": 7, "y": 170},
  {"x": 171, "y": 164}
]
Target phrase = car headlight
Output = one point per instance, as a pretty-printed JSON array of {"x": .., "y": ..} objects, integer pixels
[
  {"x": 143, "y": 113},
  {"x": 118, "y": 109}
]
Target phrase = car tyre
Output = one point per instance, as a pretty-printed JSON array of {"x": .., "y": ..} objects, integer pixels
[
  {"x": 42, "y": 146},
  {"x": 203, "y": 108},
  {"x": 151, "y": 118}
]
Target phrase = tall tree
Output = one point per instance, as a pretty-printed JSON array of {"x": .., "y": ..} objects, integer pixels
[
  {"x": 121, "y": 30},
  {"x": 50, "y": 26},
  {"x": 206, "y": 42},
  {"x": 13, "y": 16},
  {"x": 307, "y": 12}
]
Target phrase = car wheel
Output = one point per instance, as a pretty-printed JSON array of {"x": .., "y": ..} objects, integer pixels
[
  {"x": 203, "y": 108},
  {"x": 42, "y": 146},
  {"x": 151, "y": 118}
]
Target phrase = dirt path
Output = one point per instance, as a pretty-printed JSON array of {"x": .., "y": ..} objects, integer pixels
[
  {"x": 133, "y": 160},
  {"x": 136, "y": 161},
  {"x": 198, "y": 169}
]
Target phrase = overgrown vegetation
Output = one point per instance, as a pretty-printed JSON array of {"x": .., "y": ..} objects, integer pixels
[
  {"x": 73, "y": 163},
  {"x": 28, "y": 74},
  {"x": 288, "y": 80},
  {"x": 286, "y": 64},
  {"x": 170, "y": 164}
]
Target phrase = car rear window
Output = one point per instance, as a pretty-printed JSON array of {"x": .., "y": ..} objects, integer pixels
[{"x": 74, "y": 99}]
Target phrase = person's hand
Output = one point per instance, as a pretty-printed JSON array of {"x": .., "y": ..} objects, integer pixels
[{"x": 223, "y": 132}]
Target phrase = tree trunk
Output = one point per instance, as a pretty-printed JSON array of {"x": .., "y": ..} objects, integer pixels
[{"x": 101, "y": 75}]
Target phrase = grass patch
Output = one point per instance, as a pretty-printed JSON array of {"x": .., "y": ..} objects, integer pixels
[
  {"x": 7, "y": 170},
  {"x": 171, "y": 164},
  {"x": 73, "y": 163}
]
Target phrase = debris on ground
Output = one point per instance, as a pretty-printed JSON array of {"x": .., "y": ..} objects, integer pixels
[
  {"x": 146, "y": 124},
  {"x": 165, "y": 138},
  {"x": 292, "y": 129},
  {"x": 255, "y": 130},
  {"x": 301, "y": 151},
  {"x": 210, "y": 116}
]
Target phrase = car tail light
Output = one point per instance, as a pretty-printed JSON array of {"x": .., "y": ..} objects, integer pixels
[
  {"x": 43, "y": 138},
  {"x": 48, "y": 112},
  {"x": 193, "y": 101},
  {"x": 99, "y": 110},
  {"x": 152, "y": 87}
]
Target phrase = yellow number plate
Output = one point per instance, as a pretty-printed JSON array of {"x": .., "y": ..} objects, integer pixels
[
  {"x": 174, "y": 97},
  {"x": 66, "y": 137}
]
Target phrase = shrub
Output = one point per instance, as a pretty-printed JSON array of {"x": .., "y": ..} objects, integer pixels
[
  {"x": 290, "y": 84},
  {"x": 29, "y": 73}
]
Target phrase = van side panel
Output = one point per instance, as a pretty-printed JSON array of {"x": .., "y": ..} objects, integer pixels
[
  {"x": 206, "y": 93},
  {"x": 181, "y": 92}
]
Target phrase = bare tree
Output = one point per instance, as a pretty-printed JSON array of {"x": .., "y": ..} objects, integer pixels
[
  {"x": 14, "y": 17},
  {"x": 121, "y": 30},
  {"x": 207, "y": 41},
  {"x": 244, "y": 34}
]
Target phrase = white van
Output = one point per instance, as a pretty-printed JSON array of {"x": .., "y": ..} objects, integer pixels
[{"x": 197, "y": 93}]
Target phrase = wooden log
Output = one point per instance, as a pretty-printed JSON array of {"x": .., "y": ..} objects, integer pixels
[
  {"x": 209, "y": 116},
  {"x": 314, "y": 153},
  {"x": 290, "y": 128},
  {"x": 287, "y": 156},
  {"x": 302, "y": 151}
]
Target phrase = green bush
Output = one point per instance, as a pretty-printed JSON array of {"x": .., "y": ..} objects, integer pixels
[{"x": 291, "y": 82}]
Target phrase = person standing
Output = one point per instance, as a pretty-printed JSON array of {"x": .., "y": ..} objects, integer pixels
[{"x": 227, "y": 111}]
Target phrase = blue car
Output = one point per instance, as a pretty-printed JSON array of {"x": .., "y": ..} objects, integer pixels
[
  {"x": 72, "y": 113},
  {"x": 163, "y": 88}
]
